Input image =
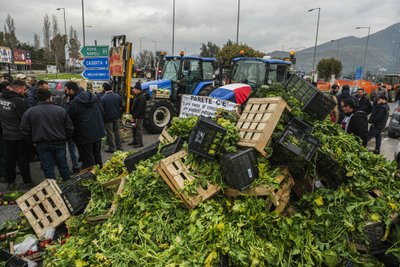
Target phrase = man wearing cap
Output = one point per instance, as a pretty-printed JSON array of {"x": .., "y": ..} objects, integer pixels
[
  {"x": 112, "y": 104},
  {"x": 49, "y": 127},
  {"x": 378, "y": 119},
  {"x": 87, "y": 114},
  {"x": 355, "y": 121},
  {"x": 138, "y": 111},
  {"x": 12, "y": 108}
]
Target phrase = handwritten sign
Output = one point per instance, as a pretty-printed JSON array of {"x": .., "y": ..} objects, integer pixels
[{"x": 203, "y": 105}]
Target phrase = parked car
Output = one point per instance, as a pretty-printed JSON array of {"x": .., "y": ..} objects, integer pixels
[
  {"x": 57, "y": 90},
  {"x": 394, "y": 124}
]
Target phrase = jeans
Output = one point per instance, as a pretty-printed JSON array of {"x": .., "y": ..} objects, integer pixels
[
  {"x": 90, "y": 154},
  {"x": 52, "y": 155},
  {"x": 21, "y": 152},
  {"x": 137, "y": 132},
  {"x": 73, "y": 153},
  {"x": 113, "y": 137},
  {"x": 374, "y": 132}
]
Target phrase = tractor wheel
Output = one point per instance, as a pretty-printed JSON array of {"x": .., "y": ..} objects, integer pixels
[
  {"x": 159, "y": 114},
  {"x": 206, "y": 90}
]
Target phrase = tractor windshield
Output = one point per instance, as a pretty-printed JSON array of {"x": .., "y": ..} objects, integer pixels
[
  {"x": 171, "y": 69},
  {"x": 251, "y": 72}
]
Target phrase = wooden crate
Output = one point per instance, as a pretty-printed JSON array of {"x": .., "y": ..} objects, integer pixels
[
  {"x": 258, "y": 121},
  {"x": 119, "y": 183},
  {"x": 174, "y": 172},
  {"x": 165, "y": 137},
  {"x": 43, "y": 207},
  {"x": 279, "y": 198}
]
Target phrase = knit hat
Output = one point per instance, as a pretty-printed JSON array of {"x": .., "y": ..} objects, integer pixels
[
  {"x": 43, "y": 94},
  {"x": 138, "y": 86},
  {"x": 21, "y": 76},
  {"x": 345, "y": 87}
]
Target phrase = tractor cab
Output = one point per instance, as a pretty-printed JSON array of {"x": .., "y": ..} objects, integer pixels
[
  {"x": 251, "y": 73},
  {"x": 189, "y": 74}
]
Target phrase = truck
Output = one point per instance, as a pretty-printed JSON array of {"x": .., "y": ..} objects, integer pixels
[
  {"x": 181, "y": 75},
  {"x": 250, "y": 73}
]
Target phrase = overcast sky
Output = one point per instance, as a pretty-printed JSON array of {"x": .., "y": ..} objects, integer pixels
[{"x": 265, "y": 25}]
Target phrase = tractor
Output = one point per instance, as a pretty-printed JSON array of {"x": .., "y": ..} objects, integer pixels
[
  {"x": 181, "y": 75},
  {"x": 249, "y": 74}
]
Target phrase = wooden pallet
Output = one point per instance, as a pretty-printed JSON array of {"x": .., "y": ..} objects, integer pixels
[
  {"x": 43, "y": 207},
  {"x": 175, "y": 173},
  {"x": 258, "y": 121},
  {"x": 119, "y": 183},
  {"x": 279, "y": 198},
  {"x": 165, "y": 137}
]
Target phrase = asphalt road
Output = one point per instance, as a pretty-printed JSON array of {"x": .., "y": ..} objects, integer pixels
[{"x": 11, "y": 212}]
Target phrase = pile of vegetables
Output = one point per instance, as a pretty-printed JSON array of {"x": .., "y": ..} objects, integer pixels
[{"x": 152, "y": 227}]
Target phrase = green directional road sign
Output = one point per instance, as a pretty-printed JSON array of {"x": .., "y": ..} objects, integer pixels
[{"x": 95, "y": 51}]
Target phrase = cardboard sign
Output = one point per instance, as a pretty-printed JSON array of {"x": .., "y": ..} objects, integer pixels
[
  {"x": 203, "y": 105},
  {"x": 117, "y": 61}
]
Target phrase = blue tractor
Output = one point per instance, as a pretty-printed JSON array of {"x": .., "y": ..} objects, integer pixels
[
  {"x": 250, "y": 73},
  {"x": 181, "y": 75}
]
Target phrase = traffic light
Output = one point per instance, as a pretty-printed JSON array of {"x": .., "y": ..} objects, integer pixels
[{"x": 292, "y": 58}]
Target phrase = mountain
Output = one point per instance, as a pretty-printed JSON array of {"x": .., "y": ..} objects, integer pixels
[{"x": 383, "y": 47}]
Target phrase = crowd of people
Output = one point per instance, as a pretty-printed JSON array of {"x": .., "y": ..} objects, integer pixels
[
  {"x": 32, "y": 126},
  {"x": 355, "y": 112}
]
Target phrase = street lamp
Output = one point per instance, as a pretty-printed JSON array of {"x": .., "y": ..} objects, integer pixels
[
  {"x": 366, "y": 46},
  {"x": 316, "y": 35},
  {"x": 173, "y": 26},
  {"x": 237, "y": 26},
  {"x": 140, "y": 43},
  {"x": 338, "y": 45},
  {"x": 83, "y": 23},
  {"x": 66, "y": 41},
  {"x": 155, "y": 47}
]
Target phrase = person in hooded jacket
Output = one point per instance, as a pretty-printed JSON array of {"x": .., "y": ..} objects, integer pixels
[
  {"x": 87, "y": 114},
  {"x": 363, "y": 101},
  {"x": 138, "y": 112},
  {"x": 378, "y": 120},
  {"x": 355, "y": 121},
  {"x": 12, "y": 108},
  {"x": 342, "y": 96}
]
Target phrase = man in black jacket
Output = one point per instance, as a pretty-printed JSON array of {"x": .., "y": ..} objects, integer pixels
[
  {"x": 12, "y": 108},
  {"x": 48, "y": 126},
  {"x": 345, "y": 94},
  {"x": 112, "y": 105},
  {"x": 355, "y": 121},
  {"x": 378, "y": 121},
  {"x": 138, "y": 111},
  {"x": 363, "y": 102},
  {"x": 87, "y": 114}
]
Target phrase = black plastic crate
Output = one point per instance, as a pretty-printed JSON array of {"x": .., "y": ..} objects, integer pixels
[
  {"x": 76, "y": 197},
  {"x": 143, "y": 154},
  {"x": 329, "y": 170},
  {"x": 374, "y": 232},
  {"x": 300, "y": 89},
  {"x": 206, "y": 138},
  {"x": 297, "y": 139},
  {"x": 172, "y": 148},
  {"x": 239, "y": 169},
  {"x": 314, "y": 102},
  {"x": 12, "y": 260},
  {"x": 319, "y": 106}
]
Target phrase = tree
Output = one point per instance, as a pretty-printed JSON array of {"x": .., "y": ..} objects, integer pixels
[
  {"x": 209, "y": 50},
  {"x": 2, "y": 43},
  {"x": 328, "y": 66},
  {"x": 10, "y": 38},
  {"x": 55, "y": 26},
  {"x": 58, "y": 49},
  {"x": 145, "y": 58},
  {"x": 231, "y": 50},
  {"x": 46, "y": 37},
  {"x": 74, "y": 44},
  {"x": 36, "y": 42}
]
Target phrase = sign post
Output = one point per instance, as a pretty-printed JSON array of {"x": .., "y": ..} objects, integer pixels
[{"x": 96, "y": 63}]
